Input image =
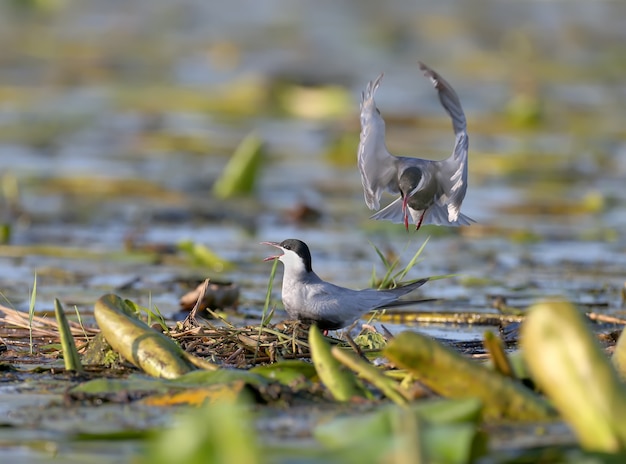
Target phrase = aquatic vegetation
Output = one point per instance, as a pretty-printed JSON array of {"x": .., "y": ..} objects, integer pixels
[
  {"x": 70, "y": 354},
  {"x": 341, "y": 383},
  {"x": 477, "y": 392},
  {"x": 569, "y": 366},
  {"x": 433, "y": 431},
  {"x": 138, "y": 343},
  {"x": 372, "y": 374},
  {"x": 451, "y": 375},
  {"x": 31, "y": 313},
  {"x": 240, "y": 174},
  {"x": 314, "y": 102},
  {"x": 267, "y": 314},
  {"x": 119, "y": 136},
  {"x": 393, "y": 277},
  {"x": 220, "y": 433},
  {"x": 153, "y": 315},
  {"x": 202, "y": 255}
]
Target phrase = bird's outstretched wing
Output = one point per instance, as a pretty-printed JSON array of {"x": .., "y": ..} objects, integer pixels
[
  {"x": 452, "y": 172},
  {"x": 392, "y": 212},
  {"x": 377, "y": 165}
]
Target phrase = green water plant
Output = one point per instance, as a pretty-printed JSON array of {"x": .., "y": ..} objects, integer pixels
[
  {"x": 448, "y": 373},
  {"x": 341, "y": 382},
  {"x": 266, "y": 317},
  {"x": 80, "y": 321},
  {"x": 441, "y": 431},
  {"x": 202, "y": 255},
  {"x": 392, "y": 276},
  {"x": 219, "y": 433},
  {"x": 71, "y": 358},
  {"x": 241, "y": 171},
  {"x": 500, "y": 360},
  {"x": 570, "y": 367},
  {"x": 371, "y": 373},
  {"x": 31, "y": 313},
  {"x": 153, "y": 352},
  {"x": 152, "y": 315}
]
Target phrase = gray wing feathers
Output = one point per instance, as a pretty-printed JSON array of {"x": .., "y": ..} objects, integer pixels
[
  {"x": 342, "y": 306},
  {"x": 404, "y": 289},
  {"x": 453, "y": 178},
  {"x": 380, "y": 298},
  {"x": 379, "y": 169},
  {"x": 440, "y": 215},
  {"x": 392, "y": 212},
  {"x": 448, "y": 98},
  {"x": 376, "y": 164},
  {"x": 453, "y": 170}
]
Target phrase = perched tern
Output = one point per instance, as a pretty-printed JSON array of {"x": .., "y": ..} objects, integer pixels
[
  {"x": 310, "y": 299},
  {"x": 430, "y": 191}
]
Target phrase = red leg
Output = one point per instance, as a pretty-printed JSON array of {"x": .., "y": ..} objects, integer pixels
[
  {"x": 419, "y": 224},
  {"x": 406, "y": 222}
]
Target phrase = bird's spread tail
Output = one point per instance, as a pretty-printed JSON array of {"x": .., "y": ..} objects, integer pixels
[{"x": 439, "y": 215}]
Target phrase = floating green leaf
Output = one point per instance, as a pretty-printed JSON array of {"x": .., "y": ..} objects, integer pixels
[
  {"x": 448, "y": 373},
  {"x": 341, "y": 383},
  {"x": 143, "y": 346},
  {"x": 240, "y": 174},
  {"x": 131, "y": 384},
  {"x": 619, "y": 356},
  {"x": 291, "y": 372},
  {"x": 443, "y": 431},
  {"x": 371, "y": 373},
  {"x": 500, "y": 360},
  {"x": 219, "y": 433},
  {"x": 204, "y": 256},
  {"x": 570, "y": 367},
  {"x": 203, "y": 378}
]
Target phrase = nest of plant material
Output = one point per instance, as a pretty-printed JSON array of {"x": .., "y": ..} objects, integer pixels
[
  {"x": 17, "y": 328},
  {"x": 244, "y": 346},
  {"x": 238, "y": 346}
]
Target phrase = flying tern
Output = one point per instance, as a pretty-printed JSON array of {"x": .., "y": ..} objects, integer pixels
[{"x": 430, "y": 191}]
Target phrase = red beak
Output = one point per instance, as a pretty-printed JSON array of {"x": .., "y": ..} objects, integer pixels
[
  {"x": 274, "y": 244},
  {"x": 405, "y": 201}
]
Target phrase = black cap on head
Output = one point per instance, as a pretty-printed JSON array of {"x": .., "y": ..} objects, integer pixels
[
  {"x": 409, "y": 179},
  {"x": 301, "y": 249}
]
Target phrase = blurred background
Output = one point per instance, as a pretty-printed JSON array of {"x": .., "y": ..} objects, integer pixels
[{"x": 117, "y": 119}]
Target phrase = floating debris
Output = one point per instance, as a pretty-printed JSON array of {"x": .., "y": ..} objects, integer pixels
[{"x": 218, "y": 295}]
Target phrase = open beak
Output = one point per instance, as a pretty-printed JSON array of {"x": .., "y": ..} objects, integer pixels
[{"x": 274, "y": 244}]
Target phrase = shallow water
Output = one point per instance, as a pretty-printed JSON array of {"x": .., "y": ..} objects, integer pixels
[
  {"x": 114, "y": 124},
  {"x": 102, "y": 159}
]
